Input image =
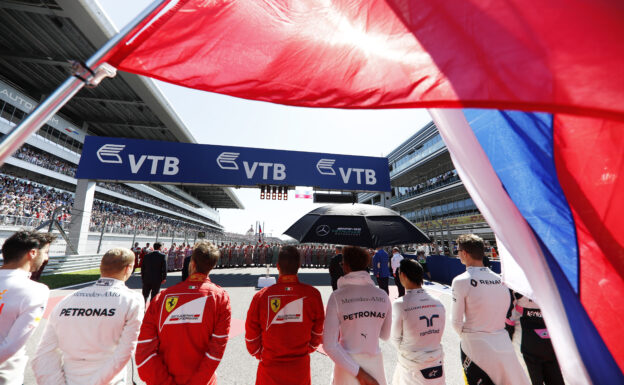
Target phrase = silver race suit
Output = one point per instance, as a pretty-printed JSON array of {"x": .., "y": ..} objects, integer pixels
[
  {"x": 358, "y": 315},
  {"x": 90, "y": 336}
]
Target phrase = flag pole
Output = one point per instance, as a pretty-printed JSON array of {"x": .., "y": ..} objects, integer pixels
[{"x": 55, "y": 101}]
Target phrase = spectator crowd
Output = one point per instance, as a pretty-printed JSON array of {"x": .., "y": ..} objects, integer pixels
[
  {"x": 42, "y": 159},
  {"x": 28, "y": 203},
  {"x": 37, "y": 157},
  {"x": 430, "y": 184}
]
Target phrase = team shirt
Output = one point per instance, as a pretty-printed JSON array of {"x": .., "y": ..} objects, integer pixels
[
  {"x": 284, "y": 325},
  {"x": 90, "y": 336},
  {"x": 479, "y": 310},
  {"x": 535, "y": 336},
  {"x": 480, "y": 295},
  {"x": 418, "y": 322},
  {"x": 358, "y": 315},
  {"x": 22, "y": 303},
  {"x": 184, "y": 333},
  {"x": 395, "y": 262}
]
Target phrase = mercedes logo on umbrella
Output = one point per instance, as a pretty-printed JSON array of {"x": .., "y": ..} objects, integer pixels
[
  {"x": 355, "y": 224},
  {"x": 322, "y": 230}
]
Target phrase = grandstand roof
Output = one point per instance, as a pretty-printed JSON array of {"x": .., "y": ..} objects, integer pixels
[{"x": 39, "y": 37}]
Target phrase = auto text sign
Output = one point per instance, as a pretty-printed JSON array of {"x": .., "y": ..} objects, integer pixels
[{"x": 133, "y": 160}]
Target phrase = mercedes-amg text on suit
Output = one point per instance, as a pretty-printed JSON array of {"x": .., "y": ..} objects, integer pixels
[{"x": 90, "y": 336}]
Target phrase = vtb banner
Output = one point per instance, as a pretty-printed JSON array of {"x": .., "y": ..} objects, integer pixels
[{"x": 133, "y": 160}]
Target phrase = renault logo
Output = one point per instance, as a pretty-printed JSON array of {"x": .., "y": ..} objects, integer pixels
[{"x": 322, "y": 230}]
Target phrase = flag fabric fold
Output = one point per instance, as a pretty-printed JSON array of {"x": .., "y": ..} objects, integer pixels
[
  {"x": 514, "y": 166},
  {"x": 517, "y": 54}
]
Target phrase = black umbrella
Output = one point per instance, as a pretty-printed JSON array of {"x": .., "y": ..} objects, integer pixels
[{"x": 355, "y": 224}]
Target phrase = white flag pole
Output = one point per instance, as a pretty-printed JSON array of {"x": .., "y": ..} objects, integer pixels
[{"x": 55, "y": 101}]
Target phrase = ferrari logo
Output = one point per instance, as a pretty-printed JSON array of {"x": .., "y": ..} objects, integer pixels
[
  {"x": 275, "y": 304},
  {"x": 171, "y": 303}
]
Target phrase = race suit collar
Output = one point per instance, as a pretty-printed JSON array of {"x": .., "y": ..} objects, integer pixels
[
  {"x": 198, "y": 277},
  {"x": 107, "y": 281},
  {"x": 17, "y": 272},
  {"x": 291, "y": 278},
  {"x": 360, "y": 278}
]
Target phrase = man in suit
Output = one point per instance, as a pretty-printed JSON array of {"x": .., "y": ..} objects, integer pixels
[
  {"x": 335, "y": 267},
  {"x": 153, "y": 271}
]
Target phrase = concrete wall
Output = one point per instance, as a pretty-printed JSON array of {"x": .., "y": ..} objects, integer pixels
[
  {"x": 109, "y": 241},
  {"x": 443, "y": 268}
]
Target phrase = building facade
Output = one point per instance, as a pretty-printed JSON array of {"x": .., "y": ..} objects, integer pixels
[
  {"x": 38, "y": 182},
  {"x": 427, "y": 190}
]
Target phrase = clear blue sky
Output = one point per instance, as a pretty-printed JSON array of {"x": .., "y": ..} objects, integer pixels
[{"x": 224, "y": 120}]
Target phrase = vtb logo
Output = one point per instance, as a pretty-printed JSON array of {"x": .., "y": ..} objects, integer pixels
[
  {"x": 110, "y": 153},
  {"x": 227, "y": 161},
  {"x": 430, "y": 319},
  {"x": 325, "y": 167}
]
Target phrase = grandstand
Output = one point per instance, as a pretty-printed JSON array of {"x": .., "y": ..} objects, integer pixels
[
  {"x": 427, "y": 190},
  {"x": 37, "y": 41}
]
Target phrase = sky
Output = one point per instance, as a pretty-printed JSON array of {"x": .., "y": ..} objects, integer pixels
[{"x": 224, "y": 120}]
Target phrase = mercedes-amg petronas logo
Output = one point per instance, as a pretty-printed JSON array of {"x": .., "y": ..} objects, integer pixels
[{"x": 322, "y": 230}]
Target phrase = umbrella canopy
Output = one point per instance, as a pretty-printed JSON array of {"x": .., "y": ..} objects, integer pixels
[{"x": 355, "y": 224}]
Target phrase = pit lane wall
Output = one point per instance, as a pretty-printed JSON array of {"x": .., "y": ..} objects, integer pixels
[{"x": 444, "y": 268}]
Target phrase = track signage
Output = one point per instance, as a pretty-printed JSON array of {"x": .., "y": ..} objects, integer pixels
[{"x": 133, "y": 160}]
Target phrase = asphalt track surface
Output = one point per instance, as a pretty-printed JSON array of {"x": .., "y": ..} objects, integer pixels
[{"x": 238, "y": 367}]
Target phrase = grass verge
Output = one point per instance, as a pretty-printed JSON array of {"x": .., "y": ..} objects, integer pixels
[{"x": 65, "y": 279}]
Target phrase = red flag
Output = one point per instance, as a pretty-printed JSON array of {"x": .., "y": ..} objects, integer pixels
[{"x": 558, "y": 56}]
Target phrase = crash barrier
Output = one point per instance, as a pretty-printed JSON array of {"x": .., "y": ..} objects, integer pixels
[
  {"x": 68, "y": 263},
  {"x": 444, "y": 268}
]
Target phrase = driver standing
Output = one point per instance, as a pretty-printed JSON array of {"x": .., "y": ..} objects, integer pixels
[
  {"x": 358, "y": 315},
  {"x": 479, "y": 311},
  {"x": 92, "y": 333}
]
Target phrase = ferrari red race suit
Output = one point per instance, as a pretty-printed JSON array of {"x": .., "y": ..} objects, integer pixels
[
  {"x": 284, "y": 326},
  {"x": 184, "y": 334}
]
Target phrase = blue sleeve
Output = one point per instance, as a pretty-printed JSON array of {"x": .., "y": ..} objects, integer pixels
[{"x": 375, "y": 261}]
